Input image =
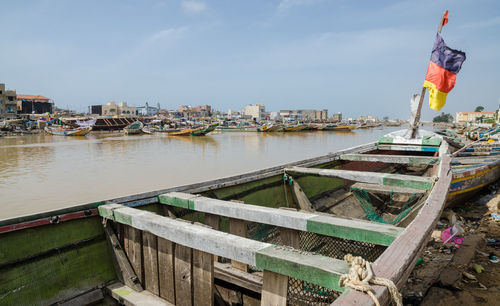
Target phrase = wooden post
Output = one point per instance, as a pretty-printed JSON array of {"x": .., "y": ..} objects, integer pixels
[
  {"x": 214, "y": 222},
  {"x": 125, "y": 272},
  {"x": 166, "y": 269},
  {"x": 203, "y": 278},
  {"x": 239, "y": 228},
  {"x": 149, "y": 249},
  {"x": 422, "y": 94},
  {"x": 133, "y": 239},
  {"x": 183, "y": 276},
  {"x": 274, "y": 289}
]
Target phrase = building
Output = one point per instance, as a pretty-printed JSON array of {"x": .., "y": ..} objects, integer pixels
[
  {"x": 113, "y": 109},
  {"x": 473, "y": 117},
  {"x": 257, "y": 111},
  {"x": 337, "y": 117},
  {"x": 195, "y": 112},
  {"x": 304, "y": 115},
  {"x": 8, "y": 102},
  {"x": 34, "y": 104},
  {"x": 148, "y": 110}
]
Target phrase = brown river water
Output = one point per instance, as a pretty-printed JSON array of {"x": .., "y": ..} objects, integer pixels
[{"x": 42, "y": 172}]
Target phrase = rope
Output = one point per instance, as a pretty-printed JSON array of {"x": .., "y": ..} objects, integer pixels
[{"x": 361, "y": 275}]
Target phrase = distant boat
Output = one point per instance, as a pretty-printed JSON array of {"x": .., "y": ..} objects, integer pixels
[
  {"x": 334, "y": 127},
  {"x": 294, "y": 128},
  {"x": 64, "y": 131},
  {"x": 204, "y": 130},
  {"x": 269, "y": 128},
  {"x": 134, "y": 128},
  {"x": 181, "y": 132}
]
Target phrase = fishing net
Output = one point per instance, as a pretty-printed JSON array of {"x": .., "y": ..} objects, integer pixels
[{"x": 366, "y": 203}]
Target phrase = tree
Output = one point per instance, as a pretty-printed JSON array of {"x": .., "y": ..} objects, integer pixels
[
  {"x": 443, "y": 118},
  {"x": 479, "y": 108}
]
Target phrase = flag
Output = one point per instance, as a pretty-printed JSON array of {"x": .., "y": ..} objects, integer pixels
[
  {"x": 442, "y": 72},
  {"x": 445, "y": 18}
]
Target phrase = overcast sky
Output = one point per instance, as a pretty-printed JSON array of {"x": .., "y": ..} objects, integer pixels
[{"x": 354, "y": 57}]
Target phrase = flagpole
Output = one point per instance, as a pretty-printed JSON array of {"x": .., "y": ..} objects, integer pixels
[{"x": 414, "y": 128}]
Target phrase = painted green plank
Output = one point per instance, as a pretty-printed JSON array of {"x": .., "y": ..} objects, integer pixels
[
  {"x": 174, "y": 200},
  {"x": 316, "y": 269},
  {"x": 357, "y": 230},
  {"x": 17, "y": 245},
  {"x": 50, "y": 279},
  {"x": 395, "y": 159}
]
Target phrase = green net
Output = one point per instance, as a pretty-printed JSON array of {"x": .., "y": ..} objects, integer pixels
[{"x": 364, "y": 199}]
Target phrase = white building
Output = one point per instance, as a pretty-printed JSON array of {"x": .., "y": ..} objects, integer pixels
[{"x": 257, "y": 111}]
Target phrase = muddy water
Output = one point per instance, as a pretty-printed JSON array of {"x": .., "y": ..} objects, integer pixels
[{"x": 42, "y": 172}]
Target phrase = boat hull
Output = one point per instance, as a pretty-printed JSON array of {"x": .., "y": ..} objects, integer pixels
[{"x": 68, "y": 132}]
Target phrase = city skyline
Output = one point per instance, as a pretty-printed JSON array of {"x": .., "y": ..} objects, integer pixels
[{"x": 291, "y": 54}]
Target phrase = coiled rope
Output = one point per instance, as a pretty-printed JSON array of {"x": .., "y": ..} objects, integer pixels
[{"x": 361, "y": 275}]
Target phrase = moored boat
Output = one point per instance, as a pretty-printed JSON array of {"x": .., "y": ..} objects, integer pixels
[
  {"x": 335, "y": 127},
  {"x": 67, "y": 131},
  {"x": 269, "y": 128},
  {"x": 134, "y": 128}
]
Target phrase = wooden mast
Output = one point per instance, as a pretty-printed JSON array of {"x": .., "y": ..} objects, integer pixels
[{"x": 414, "y": 128}]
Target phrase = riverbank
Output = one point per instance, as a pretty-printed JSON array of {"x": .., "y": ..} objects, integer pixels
[{"x": 467, "y": 275}]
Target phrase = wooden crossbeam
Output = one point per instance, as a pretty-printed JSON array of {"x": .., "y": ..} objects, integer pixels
[
  {"x": 359, "y": 230},
  {"x": 128, "y": 296},
  {"x": 317, "y": 269},
  {"x": 388, "y": 179},
  {"x": 387, "y": 189},
  {"x": 394, "y": 159}
]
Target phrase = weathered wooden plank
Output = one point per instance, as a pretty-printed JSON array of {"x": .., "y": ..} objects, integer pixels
[
  {"x": 388, "y": 179},
  {"x": 330, "y": 225},
  {"x": 150, "y": 253},
  {"x": 203, "y": 278},
  {"x": 134, "y": 251},
  {"x": 214, "y": 222},
  {"x": 393, "y": 159},
  {"x": 274, "y": 289},
  {"x": 124, "y": 270},
  {"x": 88, "y": 298},
  {"x": 399, "y": 259},
  {"x": 387, "y": 189},
  {"x": 290, "y": 237},
  {"x": 129, "y": 297},
  {"x": 317, "y": 269},
  {"x": 183, "y": 275},
  {"x": 166, "y": 269},
  {"x": 301, "y": 198},
  {"x": 226, "y": 272},
  {"x": 239, "y": 228}
]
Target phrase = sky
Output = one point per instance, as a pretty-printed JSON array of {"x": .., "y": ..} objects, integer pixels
[{"x": 354, "y": 57}]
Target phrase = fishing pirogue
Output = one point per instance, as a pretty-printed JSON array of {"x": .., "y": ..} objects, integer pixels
[{"x": 231, "y": 233}]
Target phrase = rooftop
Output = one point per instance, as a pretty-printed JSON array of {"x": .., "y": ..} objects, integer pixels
[{"x": 31, "y": 97}]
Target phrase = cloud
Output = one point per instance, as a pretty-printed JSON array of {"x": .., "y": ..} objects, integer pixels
[
  {"x": 193, "y": 7},
  {"x": 165, "y": 35},
  {"x": 286, "y": 5},
  {"x": 482, "y": 23}
]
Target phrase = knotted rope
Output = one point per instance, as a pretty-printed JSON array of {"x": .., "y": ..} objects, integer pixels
[{"x": 361, "y": 275}]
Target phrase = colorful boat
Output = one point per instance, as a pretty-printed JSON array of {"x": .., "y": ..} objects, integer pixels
[
  {"x": 181, "y": 132},
  {"x": 67, "y": 131},
  {"x": 335, "y": 127},
  {"x": 269, "y": 128},
  {"x": 473, "y": 168},
  {"x": 134, "y": 128},
  {"x": 294, "y": 128}
]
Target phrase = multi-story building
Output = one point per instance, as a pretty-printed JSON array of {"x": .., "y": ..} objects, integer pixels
[
  {"x": 473, "y": 117},
  {"x": 113, "y": 109},
  {"x": 34, "y": 104},
  {"x": 8, "y": 102},
  {"x": 337, "y": 117},
  {"x": 257, "y": 111},
  {"x": 304, "y": 114},
  {"x": 148, "y": 110}
]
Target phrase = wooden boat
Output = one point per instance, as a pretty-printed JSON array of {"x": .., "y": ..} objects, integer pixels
[
  {"x": 237, "y": 128},
  {"x": 181, "y": 132},
  {"x": 204, "y": 130},
  {"x": 473, "y": 168},
  {"x": 335, "y": 127},
  {"x": 72, "y": 257},
  {"x": 134, "y": 128},
  {"x": 294, "y": 128},
  {"x": 269, "y": 128},
  {"x": 67, "y": 131}
]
